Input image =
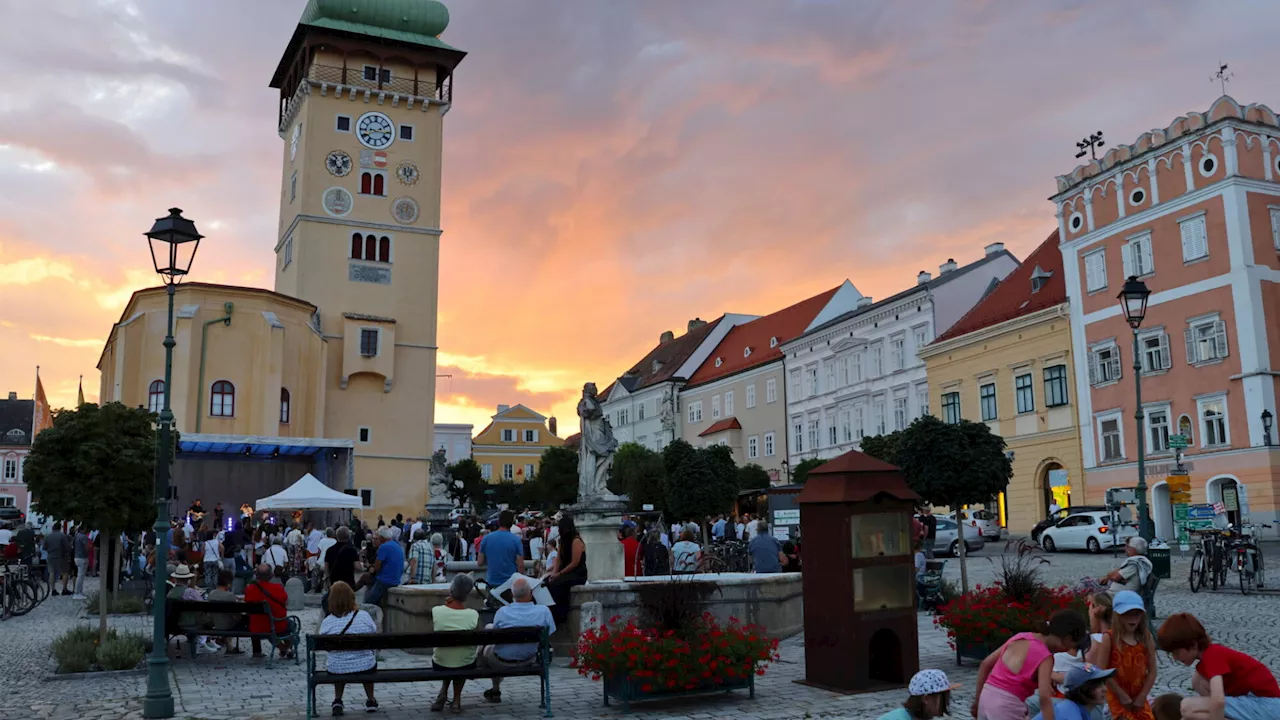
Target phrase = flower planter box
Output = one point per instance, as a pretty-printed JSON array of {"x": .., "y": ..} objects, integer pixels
[
  {"x": 631, "y": 689},
  {"x": 972, "y": 651}
]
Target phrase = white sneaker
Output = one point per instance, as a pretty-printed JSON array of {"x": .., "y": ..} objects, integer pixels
[
  {"x": 207, "y": 648},
  {"x": 78, "y": 597}
]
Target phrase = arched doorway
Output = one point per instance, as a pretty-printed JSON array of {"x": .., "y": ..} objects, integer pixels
[
  {"x": 1055, "y": 487},
  {"x": 1162, "y": 512},
  {"x": 1227, "y": 490}
]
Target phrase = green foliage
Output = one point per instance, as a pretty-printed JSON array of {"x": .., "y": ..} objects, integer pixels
[
  {"x": 639, "y": 473},
  {"x": 556, "y": 483},
  {"x": 952, "y": 464},
  {"x": 700, "y": 481},
  {"x": 468, "y": 485},
  {"x": 882, "y": 447},
  {"x": 116, "y": 605},
  {"x": 800, "y": 473},
  {"x": 96, "y": 465},
  {"x": 78, "y": 650},
  {"x": 119, "y": 653},
  {"x": 752, "y": 477}
]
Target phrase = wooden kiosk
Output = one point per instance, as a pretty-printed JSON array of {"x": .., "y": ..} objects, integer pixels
[{"x": 859, "y": 576}]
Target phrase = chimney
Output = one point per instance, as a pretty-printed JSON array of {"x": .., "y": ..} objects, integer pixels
[
  {"x": 666, "y": 337},
  {"x": 993, "y": 248},
  {"x": 13, "y": 395},
  {"x": 551, "y": 425},
  {"x": 923, "y": 277},
  {"x": 864, "y": 301},
  {"x": 696, "y": 323},
  {"x": 503, "y": 408},
  {"x": 947, "y": 266}
]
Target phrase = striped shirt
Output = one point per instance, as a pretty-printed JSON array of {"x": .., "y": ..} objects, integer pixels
[
  {"x": 351, "y": 661},
  {"x": 424, "y": 570}
]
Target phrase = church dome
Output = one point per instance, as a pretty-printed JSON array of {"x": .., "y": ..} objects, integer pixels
[{"x": 420, "y": 17}]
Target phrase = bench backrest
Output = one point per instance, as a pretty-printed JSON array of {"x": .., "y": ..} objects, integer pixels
[
  {"x": 217, "y": 606},
  {"x": 445, "y": 639}
]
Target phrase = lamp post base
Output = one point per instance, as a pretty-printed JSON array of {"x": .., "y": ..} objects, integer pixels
[{"x": 158, "y": 702}]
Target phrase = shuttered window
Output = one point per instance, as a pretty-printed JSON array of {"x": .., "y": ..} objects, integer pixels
[
  {"x": 1206, "y": 341},
  {"x": 1137, "y": 257},
  {"x": 1095, "y": 271},
  {"x": 1195, "y": 243}
]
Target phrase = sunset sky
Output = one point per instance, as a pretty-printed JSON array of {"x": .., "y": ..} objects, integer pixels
[{"x": 612, "y": 168}]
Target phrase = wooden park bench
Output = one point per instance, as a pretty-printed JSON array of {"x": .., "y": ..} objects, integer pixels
[
  {"x": 426, "y": 673},
  {"x": 174, "y": 610}
]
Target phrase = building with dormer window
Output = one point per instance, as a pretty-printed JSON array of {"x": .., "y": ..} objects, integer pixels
[{"x": 16, "y": 423}]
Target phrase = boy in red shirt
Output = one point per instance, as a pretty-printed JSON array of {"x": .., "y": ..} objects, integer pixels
[{"x": 1231, "y": 685}]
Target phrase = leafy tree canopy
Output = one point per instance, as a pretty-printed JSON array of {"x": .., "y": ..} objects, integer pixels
[
  {"x": 752, "y": 477},
  {"x": 952, "y": 464},
  {"x": 700, "y": 481},
  {"x": 96, "y": 465},
  {"x": 556, "y": 483},
  {"x": 800, "y": 473},
  {"x": 882, "y": 447},
  {"x": 639, "y": 473},
  {"x": 468, "y": 484}
]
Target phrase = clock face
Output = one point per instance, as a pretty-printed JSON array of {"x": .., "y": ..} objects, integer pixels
[
  {"x": 408, "y": 173},
  {"x": 375, "y": 130},
  {"x": 338, "y": 163},
  {"x": 293, "y": 143}
]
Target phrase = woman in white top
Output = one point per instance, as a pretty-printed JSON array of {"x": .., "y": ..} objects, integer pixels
[
  {"x": 212, "y": 559},
  {"x": 345, "y": 618},
  {"x": 552, "y": 554},
  {"x": 686, "y": 553}
]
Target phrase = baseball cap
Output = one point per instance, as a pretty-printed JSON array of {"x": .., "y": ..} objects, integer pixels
[
  {"x": 1126, "y": 601},
  {"x": 930, "y": 682},
  {"x": 1078, "y": 676}
]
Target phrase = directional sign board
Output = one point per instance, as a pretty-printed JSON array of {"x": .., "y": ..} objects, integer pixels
[
  {"x": 1179, "y": 442},
  {"x": 1200, "y": 517}
]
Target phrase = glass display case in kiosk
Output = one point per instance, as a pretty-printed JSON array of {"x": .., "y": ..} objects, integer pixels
[{"x": 859, "y": 576}]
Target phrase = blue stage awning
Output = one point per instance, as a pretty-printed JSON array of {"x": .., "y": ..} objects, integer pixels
[{"x": 256, "y": 446}]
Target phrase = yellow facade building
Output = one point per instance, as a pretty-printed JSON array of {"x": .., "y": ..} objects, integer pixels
[
  {"x": 1007, "y": 363},
  {"x": 350, "y": 333},
  {"x": 510, "y": 448}
]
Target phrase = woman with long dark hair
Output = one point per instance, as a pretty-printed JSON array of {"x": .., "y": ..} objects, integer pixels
[{"x": 570, "y": 569}]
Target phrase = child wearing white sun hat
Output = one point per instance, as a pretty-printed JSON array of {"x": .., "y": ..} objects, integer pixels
[{"x": 929, "y": 695}]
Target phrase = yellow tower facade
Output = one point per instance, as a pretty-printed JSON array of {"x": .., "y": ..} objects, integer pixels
[{"x": 364, "y": 88}]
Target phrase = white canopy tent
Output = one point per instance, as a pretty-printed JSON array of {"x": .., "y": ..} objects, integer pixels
[{"x": 309, "y": 494}]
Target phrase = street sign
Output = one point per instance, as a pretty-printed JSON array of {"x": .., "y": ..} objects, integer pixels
[
  {"x": 1179, "y": 442},
  {"x": 1202, "y": 511},
  {"x": 1179, "y": 497},
  {"x": 1180, "y": 512}
]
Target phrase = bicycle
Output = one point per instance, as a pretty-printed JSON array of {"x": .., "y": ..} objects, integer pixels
[
  {"x": 18, "y": 594},
  {"x": 1247, "y": 558},
  {"x": 1207, "y": 564}
]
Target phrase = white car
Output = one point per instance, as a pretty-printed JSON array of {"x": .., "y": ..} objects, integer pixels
[
  {"x": 984, "y": 520},
  {"x": 1085, "y": 531}
]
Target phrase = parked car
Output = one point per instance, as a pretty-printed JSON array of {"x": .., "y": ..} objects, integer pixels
[
  {"x": 1085, "y": 531},
  {"x": 985, "y": 520},
  {"x": 947, "y": 543},
  {"x": 12, "y": 516},
  {"x": 1057, "y": 517}
]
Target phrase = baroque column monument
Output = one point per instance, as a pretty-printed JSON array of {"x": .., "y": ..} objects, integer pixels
[{"x": 598, "y": 512}]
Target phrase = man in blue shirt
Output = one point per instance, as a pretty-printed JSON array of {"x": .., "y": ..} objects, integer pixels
[
  {"x": 717, "y": 530},
  {"x": 524, "y": 612},
  {"x": 501, "y": 552},
  {"x": 766, "y": 553},
  {"x": 387, "y": 567}
]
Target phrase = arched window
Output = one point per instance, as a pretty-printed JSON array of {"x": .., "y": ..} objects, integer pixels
[
  {"x": 357, "y": 244},
  {"x": 370, "y": 247},
  {"x": 223, "y": 402},
  {"x": 155, "y": 396},
  {"x": 284, "y": 405},
  {"x": 384, "y": 249},
  {"x": 379, "y": 184},
  {"x": 366, "y": 183}
]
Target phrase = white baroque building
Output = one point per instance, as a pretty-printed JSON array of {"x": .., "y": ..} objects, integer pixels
[{"x": 859, "y": 374}]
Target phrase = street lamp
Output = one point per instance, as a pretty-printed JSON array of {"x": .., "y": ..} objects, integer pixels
[
  {"x": 1133, "y": 301},
  {"x": 1266, "y": 427},
  {"x": 173, "y": 240}
]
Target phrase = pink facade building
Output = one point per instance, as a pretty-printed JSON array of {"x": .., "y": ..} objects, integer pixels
[
  {"x": 15, "y": 442},
  {"x": 1194, "y": 211}
]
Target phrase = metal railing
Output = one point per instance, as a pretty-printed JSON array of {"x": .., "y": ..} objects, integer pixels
[{"x": 356, "y": 78}]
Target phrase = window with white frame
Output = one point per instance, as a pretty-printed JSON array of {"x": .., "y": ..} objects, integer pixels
[
  {"x": 508, "y": 435},
  {"x": 528, "y": 472},
  {"x": 1095, "y": 270},
  {"x": 879, "y": 416},
  {"x": 897, "y": 353},
  {"x": 753, "y": 447},
  {"x": 1206, "y": 340},
  {"x": 1137, "y": 256},
  {"x": 695, "y": 412},
  {"x": 921, "y": 338},
  {"x": 1024, "y": 393},
  {"x": 728, "y": 403},
  {"x": 751, "y": 396},
  {"x": 1275, "y": 227},
  {"x": 900, "y": 413},
  {"x": 508, "y": 471},
  {"x": 797, "y": 436},
  {"x": 486, "y": 471},
  {"x": 768, "y": 444},
  {"x": 531, "y": 436},
  {"x": 842, "y": 371},
  {"x": 1055, "y": 386},
  {"x": 771, "y": 390},
  {"x": 1104, "y": 364},
  {"x": 1213, "y": 421},
  {"x": 846, "y": 426},
  {"x": 922, "y": 400},
  {"x": 859, "y": 424},
  {"x": 1158, "y": 422},
  {"x": 640, "y": 411},
  {"x": 877, "y": 365},
  {"x": 1154, "y": 346},
  {"x": 795, "y": 385},
  {"x": 813, "y": 434},
  {"x": 11, "y": 469},
  {"x": 812, "y": 376},
  {"x": 1111, "y": 437},
  {"x": 987, "y": 401},
  {"x": 715, "y": 407},
  {"x": 1195, "y": 241},
  {"x": 829, "y": 373},
  {"x": 855, "y": 368},
  {"x": 624, "y": 415},
  {"x": 951, "y": 407},
  {"x": 833, "y": 437}
]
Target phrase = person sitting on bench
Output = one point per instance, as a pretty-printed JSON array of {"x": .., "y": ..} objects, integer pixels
[
  {"x": 346, "y": 618},
  {"x": 265, "y": 588},
  {"x": 524, "y": 612},
  {"x": 454, "y": 615}
]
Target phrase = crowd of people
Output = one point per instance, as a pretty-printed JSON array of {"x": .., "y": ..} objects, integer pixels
[{"x": 67, "y": 553}]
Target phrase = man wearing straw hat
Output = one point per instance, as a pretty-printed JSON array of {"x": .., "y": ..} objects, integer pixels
[{"x": 183, "y": 590}]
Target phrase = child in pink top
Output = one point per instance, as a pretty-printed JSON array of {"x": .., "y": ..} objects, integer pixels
[{"x": 1023, "y": 667}]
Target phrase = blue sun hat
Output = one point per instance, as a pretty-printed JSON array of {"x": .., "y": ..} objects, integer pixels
[
  {"x": 1078, "y": 676},
  {"x": 1127, "y": 601}
]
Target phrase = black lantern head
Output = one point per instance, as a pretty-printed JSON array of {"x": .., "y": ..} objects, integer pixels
[
  {"x": 174, "y": 240},
  {"x": 1266, "y": 420},
  {"x": 1133, "y": 301}
]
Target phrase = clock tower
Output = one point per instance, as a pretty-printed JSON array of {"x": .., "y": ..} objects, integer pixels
[{"x": 364, "y": 89}]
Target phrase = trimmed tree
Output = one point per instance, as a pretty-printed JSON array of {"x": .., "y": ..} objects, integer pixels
[
  {"x": 752, "y": 477},
  {"x": 639, "y": 473},
  {"x": 557, "y": 478},
  {"x": 800, "y": 473},
  {"x": 468, "y": 484},
  {"x": 96, "y": 466},
  {"x": 700, "y": 481}
]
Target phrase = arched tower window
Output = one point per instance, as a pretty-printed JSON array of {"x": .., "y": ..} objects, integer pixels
[
  {"x": 284, "y": 405},
  {"x": 370, "y": 247},
  {"x": 223, "y": 401},
  {"x": 366, "y": 183},
  {"x": 384, "y": 249},
  {"x": 155, "y": 396},
  {"x": 379, "y": 184},
  {"x": 357, "y": 245}
]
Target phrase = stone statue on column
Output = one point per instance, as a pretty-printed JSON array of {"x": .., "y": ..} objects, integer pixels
[
  {"x": 438, "y": 479},
  {"x": 595, "y": 452}
]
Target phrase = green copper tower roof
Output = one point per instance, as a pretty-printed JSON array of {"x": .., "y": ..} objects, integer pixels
[{"x": 417, "y": 22}]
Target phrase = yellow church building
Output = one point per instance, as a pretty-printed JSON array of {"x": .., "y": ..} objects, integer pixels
[
  {"x": 510, "y": 448},
  {"x": 335, "y": 370}
]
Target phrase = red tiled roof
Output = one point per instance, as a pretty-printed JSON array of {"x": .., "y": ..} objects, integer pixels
[
  {"x": 1013, "y": 297},
  {"x": 670, "y": 356},
  {"x": 786, "y": 324},
  {"x": 726, "y": 424}
]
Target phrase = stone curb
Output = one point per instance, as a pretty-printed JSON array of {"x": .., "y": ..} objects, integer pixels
[{"x": 94, "y": 674}]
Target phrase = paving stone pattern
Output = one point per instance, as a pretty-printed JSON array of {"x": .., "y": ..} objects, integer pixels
[{"x": 215, "y": 687}]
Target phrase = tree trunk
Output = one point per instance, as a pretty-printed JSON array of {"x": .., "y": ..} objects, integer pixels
[
  {"x": 964, "y": 568},
  {"x": 102, "y": 591},
  {"x": 116, "y": 549}
]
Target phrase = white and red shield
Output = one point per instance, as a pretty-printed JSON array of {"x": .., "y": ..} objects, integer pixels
[{"x": 379, "y": 159}]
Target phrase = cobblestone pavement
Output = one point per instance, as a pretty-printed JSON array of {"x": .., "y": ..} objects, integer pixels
[{"x": 214, "y": 687}]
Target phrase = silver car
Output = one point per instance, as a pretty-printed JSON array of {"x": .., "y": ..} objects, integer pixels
[
  {"x": 947, "y": 543},
  {"x": 985, "y": 520}
]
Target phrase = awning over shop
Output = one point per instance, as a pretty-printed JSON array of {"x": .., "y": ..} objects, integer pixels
[{"x": 258, "y": 446}]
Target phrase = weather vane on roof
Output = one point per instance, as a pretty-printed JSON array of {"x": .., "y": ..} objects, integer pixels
[
  {"x": 1223, "y": 77},
  {"x": 1090, "y": 145}
]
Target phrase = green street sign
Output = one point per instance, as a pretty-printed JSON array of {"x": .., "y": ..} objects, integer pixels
[
  {"x": 1180, "y": 513},
  {"x": 1179, "y": 442}
]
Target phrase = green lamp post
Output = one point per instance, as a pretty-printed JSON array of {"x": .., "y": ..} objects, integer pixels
[
  {"x": 1133, "y": 301},
  {"x": 173, "y": 241}
]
